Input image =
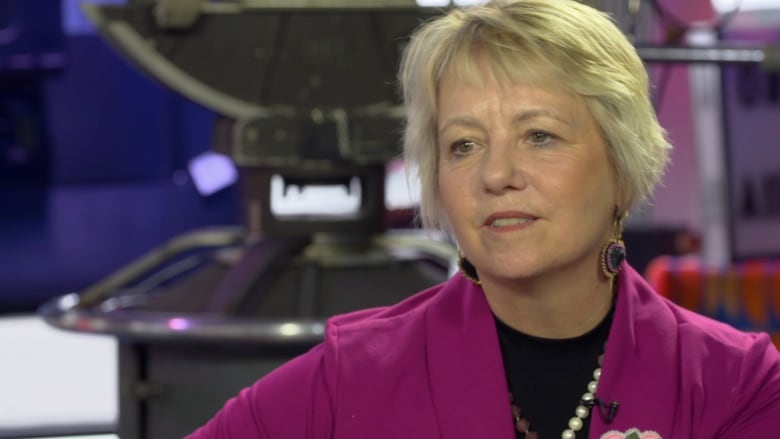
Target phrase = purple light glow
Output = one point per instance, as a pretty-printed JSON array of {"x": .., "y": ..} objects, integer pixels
[
  {"x": 178, "y": 324},
  {"x": 212, "y": 172}
]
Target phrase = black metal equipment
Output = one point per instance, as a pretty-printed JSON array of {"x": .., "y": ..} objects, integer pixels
[{"x": 306, "y": 94}]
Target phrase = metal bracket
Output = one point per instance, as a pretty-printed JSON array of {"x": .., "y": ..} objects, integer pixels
[{"x": 177, "y": 14}]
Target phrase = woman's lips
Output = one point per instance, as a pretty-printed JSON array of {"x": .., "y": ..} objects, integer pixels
[{"x": 508, "y": 220}]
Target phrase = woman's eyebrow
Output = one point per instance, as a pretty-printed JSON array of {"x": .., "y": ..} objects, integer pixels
[
  {"x": 463, "y": 121},
  {"x": 523, "y": 116},
  {"x": 535, "y": 113}
]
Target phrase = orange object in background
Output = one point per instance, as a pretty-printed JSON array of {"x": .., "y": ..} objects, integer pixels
[{"x": 745, "y": 295}]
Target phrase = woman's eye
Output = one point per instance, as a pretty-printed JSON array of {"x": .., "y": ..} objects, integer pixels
[
  {"x": 541, "y": 138},
  {"x": 463, "y": 147}
]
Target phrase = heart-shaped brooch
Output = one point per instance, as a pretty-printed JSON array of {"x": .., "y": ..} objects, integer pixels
[{"x": 631, "y": 434}]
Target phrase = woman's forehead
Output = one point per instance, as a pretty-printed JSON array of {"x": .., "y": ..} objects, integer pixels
[
  {"x": 483, "y": 75},
  {"x": 477, "y": 68}
]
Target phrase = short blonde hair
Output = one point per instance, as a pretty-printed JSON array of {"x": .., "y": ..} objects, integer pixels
[{"x": 587, "y": 55}]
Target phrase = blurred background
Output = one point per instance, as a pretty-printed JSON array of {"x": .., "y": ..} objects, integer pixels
[{"x": 188, "y": 188}]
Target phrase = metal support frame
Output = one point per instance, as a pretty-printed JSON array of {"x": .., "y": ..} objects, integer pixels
[{"x": 707, "y": 105}]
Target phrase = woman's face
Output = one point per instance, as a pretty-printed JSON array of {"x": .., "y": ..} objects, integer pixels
[{"x": 524, "y": 178}]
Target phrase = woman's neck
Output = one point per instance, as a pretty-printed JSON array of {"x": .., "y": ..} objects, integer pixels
[{"x": 551, "y": 307}]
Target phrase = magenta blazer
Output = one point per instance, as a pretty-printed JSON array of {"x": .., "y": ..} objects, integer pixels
[{"x": 430, "y": 367}]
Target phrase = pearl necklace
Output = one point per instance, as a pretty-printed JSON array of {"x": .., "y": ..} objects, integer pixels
[{"x": 576, "y": 423}]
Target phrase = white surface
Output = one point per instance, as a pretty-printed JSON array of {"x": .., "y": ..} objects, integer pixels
[
  {"x": 335, "y": 200},
  {"x": 745, "y": 5},
  {"x": 101, "y": 436},
  {"x": 50, "y": 377}
]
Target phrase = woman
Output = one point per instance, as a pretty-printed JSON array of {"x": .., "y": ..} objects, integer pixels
[{"x": 533, "y": 135}]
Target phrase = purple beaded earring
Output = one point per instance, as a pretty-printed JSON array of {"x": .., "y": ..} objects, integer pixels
[{"x": 614, "y": 251}]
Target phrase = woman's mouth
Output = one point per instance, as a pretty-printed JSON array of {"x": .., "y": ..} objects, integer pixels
[{"x": 508, "y": 222}]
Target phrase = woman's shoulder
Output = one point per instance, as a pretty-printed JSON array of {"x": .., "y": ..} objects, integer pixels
[
  {"x": 739, "y": 368},
  {"x": 728, "y": 377},
  {"x": 409, "y": 311},
  {"x": 655, "y": 312},
  {"x": 686, "y": 280},
  {"x": 712, "y": 350},
  {"x": 703, "y": 329}
]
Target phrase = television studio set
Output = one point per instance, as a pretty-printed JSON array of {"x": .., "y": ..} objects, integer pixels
[{"x": 288, "y": 219}]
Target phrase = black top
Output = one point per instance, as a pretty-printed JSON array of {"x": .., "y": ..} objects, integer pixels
[{"x": 548, "y": 377}]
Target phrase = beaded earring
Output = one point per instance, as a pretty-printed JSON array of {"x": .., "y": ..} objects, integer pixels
[
  {"x": 466, "y": 269},
  {"x": 614, "y": 251}
]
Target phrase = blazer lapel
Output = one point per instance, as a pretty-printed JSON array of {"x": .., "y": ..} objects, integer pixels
[
  {"x": 466, "y": 374},
  {"x": 640, "y": 341}
]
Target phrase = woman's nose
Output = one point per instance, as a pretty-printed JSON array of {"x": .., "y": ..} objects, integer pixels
[{"x": 500, "y": 169}]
